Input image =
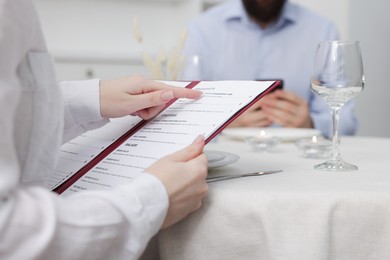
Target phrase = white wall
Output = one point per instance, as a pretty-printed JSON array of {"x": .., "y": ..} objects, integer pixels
[
  {"x": 104, "y": 27},
  {"x": 370, "y": 23},
  {"x": 91, "y": 38}
]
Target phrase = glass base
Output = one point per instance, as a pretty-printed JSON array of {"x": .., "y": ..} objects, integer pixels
[{"x": 336, "y": 165}]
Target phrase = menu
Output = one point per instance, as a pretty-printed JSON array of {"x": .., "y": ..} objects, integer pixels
[{"x": 125, "y": 147}]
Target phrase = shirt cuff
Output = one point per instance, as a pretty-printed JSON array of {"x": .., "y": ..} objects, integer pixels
[
  {"x": 83, "y": 100},
  {"x": 152, "y": 195}
]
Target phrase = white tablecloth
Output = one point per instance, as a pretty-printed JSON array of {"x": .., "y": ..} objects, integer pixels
[{"x": 300, "y": 213}]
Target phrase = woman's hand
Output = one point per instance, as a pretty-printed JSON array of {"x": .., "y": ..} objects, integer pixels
[
  {"x": 137, "y": 95},
  {"x": 183, "y": 174}
]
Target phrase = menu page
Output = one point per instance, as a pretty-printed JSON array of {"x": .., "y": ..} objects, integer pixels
[
  {"x": 78, "y": 152},
  {"x": 173, "y": 129}
]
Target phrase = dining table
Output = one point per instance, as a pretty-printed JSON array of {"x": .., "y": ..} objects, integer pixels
[{"x": 298, "y": 213}]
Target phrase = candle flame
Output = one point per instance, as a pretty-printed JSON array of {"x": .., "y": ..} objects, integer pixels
[
  {"x": 262, "y": 133},
  {"x": 314, "y": 139}
]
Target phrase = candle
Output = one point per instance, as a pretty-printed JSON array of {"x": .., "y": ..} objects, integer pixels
[
  {"x": 314, "y": 147},
  {"x": 262, "y": 142}
]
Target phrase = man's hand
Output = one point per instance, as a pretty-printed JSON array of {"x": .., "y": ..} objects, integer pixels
[
  {"x": 183, "y": 174},
  {"x": 138, "y": 96},
  {"x": 286, "y": 109}
]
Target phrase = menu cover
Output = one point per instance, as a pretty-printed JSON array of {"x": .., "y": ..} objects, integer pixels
[{"x": 125, "y": 147}]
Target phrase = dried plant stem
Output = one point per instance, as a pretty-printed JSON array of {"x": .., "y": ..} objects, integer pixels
[
  {"x": 163, "y": 66},
  {"x": 136, "y": 31}
]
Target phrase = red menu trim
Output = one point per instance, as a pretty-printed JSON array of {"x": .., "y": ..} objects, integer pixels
[{"x": 64, "y": 186}]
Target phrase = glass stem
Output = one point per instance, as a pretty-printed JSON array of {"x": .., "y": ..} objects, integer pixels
[{"x": 335, "y": 117}]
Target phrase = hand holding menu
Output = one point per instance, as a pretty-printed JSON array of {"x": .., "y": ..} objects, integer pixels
[{"x": 125, "y": 147}]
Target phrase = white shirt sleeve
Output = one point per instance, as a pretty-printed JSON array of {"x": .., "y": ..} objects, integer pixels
[
  {"x": 82, "y": 107},
  {"x": 37, "y": 224}
]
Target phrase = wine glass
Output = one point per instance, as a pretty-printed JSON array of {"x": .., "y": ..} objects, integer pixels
[
  {"x": 337, "y": 77},
  {"x": 197, "y": 67}
]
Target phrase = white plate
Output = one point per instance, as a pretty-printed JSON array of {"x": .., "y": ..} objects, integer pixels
[
  {"x": 285, "y": 134},
  {"x": 218, "y": 158}
]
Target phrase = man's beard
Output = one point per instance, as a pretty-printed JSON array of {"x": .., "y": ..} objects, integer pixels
[{"x": 264, "y": 10}]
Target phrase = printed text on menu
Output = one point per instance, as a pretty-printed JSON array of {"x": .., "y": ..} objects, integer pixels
[{"x": 173, "y": 129}]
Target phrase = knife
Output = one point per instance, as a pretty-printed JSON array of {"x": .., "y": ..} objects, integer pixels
[{"x": 228, "y": 177}]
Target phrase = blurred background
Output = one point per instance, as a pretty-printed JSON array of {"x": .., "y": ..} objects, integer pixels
[{"x": 94, "y": 39}]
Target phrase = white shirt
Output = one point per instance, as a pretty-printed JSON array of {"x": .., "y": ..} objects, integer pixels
[{"x": 36, "y": 223}]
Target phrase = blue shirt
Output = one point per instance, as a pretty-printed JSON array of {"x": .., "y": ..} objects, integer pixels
[{"x": 231, "y": 46}]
